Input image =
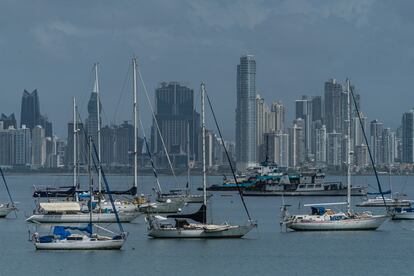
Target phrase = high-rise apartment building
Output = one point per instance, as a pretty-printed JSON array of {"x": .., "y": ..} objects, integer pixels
[
  {"x": 30, "y": 113},
  {"x": 30, "y": 109},
  {"x": 7, "y": 148},
  {"x": 296, "y": 143},
  {"x": 333, "y": 106},
  {"x": 262, "y": 126},
  {"x": 38, "y": 146},
  {"x": 376, "y": 128},
  {"x": 23, "y": 151},
  {"x": 277, "y": 117},
  {"x": 278, "y": 148},
  {"x": 246, "y": 145},
  {"x": 93, "y": 116},
  {"x": 334, "y": 149},
  {"x": 408, "y": 137},
  {"x": 320, "y": 146},
  {"x": 303, "y": 110},
  {"x": 177, "y": 121},
  {"x": 8, "y": 120}
]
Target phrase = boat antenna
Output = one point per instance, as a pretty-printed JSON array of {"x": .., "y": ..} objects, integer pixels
[
  {"x": 369, "y": 149},
  {"x": 227, "y": 153}
]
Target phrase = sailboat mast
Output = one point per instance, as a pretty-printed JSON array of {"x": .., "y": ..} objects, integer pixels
[
  {"x": 74, "y": 144},
  {"x": 98, "y": 107},
  {"x": 90, "y": 178},
  {"x": 203, "y": 134},
  {"x": 134, "y": 85},
  {"x": 349, "y": 153},
  {"x": 187, "y": 190}
]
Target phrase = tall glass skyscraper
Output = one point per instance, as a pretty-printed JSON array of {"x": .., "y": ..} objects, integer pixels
[
  {"x": 30, "y": 110},
  {"x": 178, "y": 123},
  {"x": 408, "y": 137},
  {"x": 92, "y": 125},
  {"x": 246, "y": 112}
]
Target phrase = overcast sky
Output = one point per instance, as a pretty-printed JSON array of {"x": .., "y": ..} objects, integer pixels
[{"x": 52, "y": 45}]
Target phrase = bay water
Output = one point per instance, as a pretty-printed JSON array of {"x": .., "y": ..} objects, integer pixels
[{"x": 266, "y": 250}]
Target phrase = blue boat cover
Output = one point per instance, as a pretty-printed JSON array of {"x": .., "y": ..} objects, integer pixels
[
  {"x": 318, "y": 210},
  {"x": 62, "y": 232}
]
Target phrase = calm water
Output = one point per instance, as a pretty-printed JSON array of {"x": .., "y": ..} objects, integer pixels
[{"x": 265, "y": 251}]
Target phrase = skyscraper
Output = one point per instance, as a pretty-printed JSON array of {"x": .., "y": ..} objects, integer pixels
[
  {"x": 30, "y": 110},
  {"x": 320, "y": 145},
  {"x": 277, "y": 117},
  {"x": 376, "y": 129},
  {"x": 93, "y": 119},
  {"x": 8, "y": 120},
  {"x": 38, "y": 146},
  {"x": 334, "y": 149},
  {"x": 278, "y": 148},
  {"x": 177, "y": 121},
  {"x": 246, "y": 145},
  {"x": 388, "y": 146},
  {"x": 23, "y": 147},
  {"x": 296, "y": 143},
  {"x": 7, "y": 147},
  {"x": 303, "y": 109},
  {"x": 408, "y": 137},
  {"x": 262, "y": 126},
  {"x": 333, "y": 106},
  {"x": 30, "y": 115}
]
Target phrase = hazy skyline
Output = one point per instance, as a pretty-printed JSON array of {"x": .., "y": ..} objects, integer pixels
[{"x": 298, "y": 45}]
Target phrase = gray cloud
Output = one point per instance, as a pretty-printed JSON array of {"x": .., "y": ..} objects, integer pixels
[{"x": 298, "y": 45}]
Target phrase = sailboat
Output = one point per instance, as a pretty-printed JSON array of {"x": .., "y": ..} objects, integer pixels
[
  {"x": 325, "y": 219},
  {"x": 73, "y": 211},
  {"x": 62, "y": 239},
  {"x": 183, "y": 194},
  {"x": 6, "y": 208},
  {"x": 144, "y": 206},
  {"x": 201, "y": 228},
  {"x": 395, "y": 200}
]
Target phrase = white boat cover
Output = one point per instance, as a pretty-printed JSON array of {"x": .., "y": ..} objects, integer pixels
[{"x": 60, "y": 206}]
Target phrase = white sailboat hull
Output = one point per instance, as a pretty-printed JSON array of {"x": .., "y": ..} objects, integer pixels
[
  {"x": 404, "y": 215},
  {"x": 186, "y": 198},
  {"x": 83, "y": 218},
  {"x": 5, "y": 210},
  {"x": 369, "y": 223},
  {"x": 81, "y": 245},
  {"x": 174, "y": 206},
  {"x": 199, "y": 233}
]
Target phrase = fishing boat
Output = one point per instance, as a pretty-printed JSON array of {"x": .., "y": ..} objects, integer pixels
[
  {"x": 324, "y": 219},
  {"x": 200, "y": 228},
  {"x": 303, "y": 184},
  {"x": 6, "y": 208},
  {"x": 62, "y": 239}
]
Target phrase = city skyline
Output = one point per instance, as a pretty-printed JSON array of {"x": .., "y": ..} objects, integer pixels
[{"x": 310, "y": 42}]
